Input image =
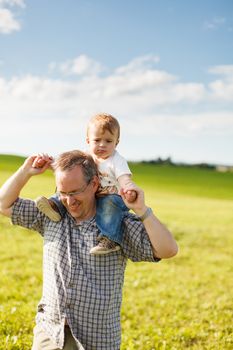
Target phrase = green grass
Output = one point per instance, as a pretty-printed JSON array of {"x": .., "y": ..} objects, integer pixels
[
  {"x": 185, "y": 180},
  {"x": 180, "y": 303},
  {"x": 10, "y": 162}
]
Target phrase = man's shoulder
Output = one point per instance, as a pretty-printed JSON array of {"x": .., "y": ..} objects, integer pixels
[
  {"x": 132, "y": 219},
  {"x": 19, "y": 202},
  {"x": 26, "y": 214}
]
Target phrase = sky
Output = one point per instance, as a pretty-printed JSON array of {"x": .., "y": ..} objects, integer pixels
[{"x": 163, "y": 68}]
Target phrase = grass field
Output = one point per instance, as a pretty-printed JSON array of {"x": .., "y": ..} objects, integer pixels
[{"x": 181, "y": 303}]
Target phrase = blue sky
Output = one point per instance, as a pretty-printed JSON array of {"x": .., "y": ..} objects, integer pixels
[{"x": 163, "y": 68}]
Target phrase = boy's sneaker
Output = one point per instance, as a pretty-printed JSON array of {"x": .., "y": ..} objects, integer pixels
[
  {"x": 105, "y": 246},
  {"x": 48, "y": 208}
]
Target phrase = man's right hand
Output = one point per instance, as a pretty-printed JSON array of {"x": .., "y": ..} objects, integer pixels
[{"x": 10, "y": 190}]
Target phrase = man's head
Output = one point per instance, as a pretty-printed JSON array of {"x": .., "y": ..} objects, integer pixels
[
  {"x": 103, "y": 133},
  {"x": 77, "y": 182}
]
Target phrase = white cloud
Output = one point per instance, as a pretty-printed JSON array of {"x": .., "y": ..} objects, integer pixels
[
  {"x": 147, "y": 101},
  {"x": 139, "y": 64},
  {"x": 226, "y": 70},
  {"x": 214, "y": 23},
  {"x": 20, "y": 3},
  {"x": 222, "y": 88},
  {"x": 134, "y": 82},
  {"x": 8, "y": 22},
  {"x": 136, "y": 91},
  {"x": 140, "y": 79},
  {"x": 188, "y": 124},
  {"x": 81, "y": 65}
]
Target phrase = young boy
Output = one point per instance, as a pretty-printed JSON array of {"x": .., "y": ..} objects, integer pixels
[{"x": 103, "y": 133}]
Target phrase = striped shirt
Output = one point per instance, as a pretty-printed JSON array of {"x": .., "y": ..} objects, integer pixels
[{"x": 78, "y": 288}]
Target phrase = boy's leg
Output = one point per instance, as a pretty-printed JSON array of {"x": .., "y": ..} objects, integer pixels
[{"x": 110, "y": 211}]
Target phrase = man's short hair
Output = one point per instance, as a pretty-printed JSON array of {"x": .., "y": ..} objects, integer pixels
[{"x": 69, "y": 160}]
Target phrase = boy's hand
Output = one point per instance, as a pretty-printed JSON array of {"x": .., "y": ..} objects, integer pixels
[
  {"x": 41, "y": 160},
  {"x": 131, "y": 196},
  {"x": 138, "y": 205},
  {"x": 35, "y": 165}
]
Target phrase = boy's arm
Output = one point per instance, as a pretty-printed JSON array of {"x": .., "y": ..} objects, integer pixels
[
  {"x": 125, "y": 181},
  {"x": 10, "y": 190},
  {"x": 128, "y": 187}
]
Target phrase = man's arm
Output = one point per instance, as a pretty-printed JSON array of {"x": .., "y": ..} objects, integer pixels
[
  {"x": 163, "y": 244},
  {"x": 10, "y": 190}
]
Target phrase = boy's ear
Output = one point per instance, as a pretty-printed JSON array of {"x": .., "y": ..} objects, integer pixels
[{"x": 87, "y": 140}]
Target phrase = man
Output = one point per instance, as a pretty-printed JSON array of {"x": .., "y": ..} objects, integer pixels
[{"x": 82, "y": 293}]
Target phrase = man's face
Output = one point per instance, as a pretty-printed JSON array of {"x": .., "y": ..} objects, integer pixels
[{"x": 81, "y": 205}]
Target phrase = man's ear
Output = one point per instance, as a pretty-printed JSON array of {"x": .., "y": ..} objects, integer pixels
[{"x": 95, "y": 183}]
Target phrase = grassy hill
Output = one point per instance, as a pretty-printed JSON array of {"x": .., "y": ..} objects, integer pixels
[
  {"x": 10, "y": 162},
  {"x": 179, "y": 304},
  {"x": 188, "y": 180}
]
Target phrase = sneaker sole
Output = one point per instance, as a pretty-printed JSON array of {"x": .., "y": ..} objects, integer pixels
[
  {"x": 44, "y": 207},
  {"x": 104, "y": 252}
]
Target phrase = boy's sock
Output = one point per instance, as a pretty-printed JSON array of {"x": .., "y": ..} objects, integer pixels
[
  {"x": 48, "y": 208},
  {"x": 105, "y": 246}
]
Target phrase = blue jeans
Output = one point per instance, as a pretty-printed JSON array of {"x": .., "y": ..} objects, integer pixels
[{"x": 110, "y": 211}]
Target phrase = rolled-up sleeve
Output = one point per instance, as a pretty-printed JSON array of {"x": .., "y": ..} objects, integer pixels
[
  {"x": 136, "y": 244},
  {"x": 25, "y": 214}
]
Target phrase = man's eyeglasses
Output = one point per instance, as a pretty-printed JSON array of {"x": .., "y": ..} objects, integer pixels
[{"x": 73, "y": 193}]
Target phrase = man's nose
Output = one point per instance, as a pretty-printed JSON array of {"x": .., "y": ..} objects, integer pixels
[{"x": 70, "y": 200}]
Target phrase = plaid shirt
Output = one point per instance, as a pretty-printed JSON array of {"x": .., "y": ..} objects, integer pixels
[{"x": 82, "y": 289}]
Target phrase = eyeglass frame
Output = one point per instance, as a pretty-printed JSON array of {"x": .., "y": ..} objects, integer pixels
[{"x": 72, "y": 193}]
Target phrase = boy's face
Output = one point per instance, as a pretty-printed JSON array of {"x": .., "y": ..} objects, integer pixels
[{"x": 102, "y": 144}]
